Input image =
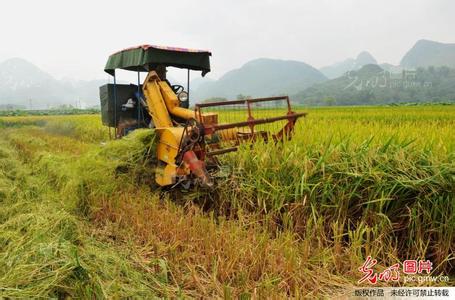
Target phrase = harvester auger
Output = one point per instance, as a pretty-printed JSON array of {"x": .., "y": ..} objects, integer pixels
[{"x": 189, "y": 139}]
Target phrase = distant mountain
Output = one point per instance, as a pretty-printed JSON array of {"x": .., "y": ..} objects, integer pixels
[
  {"x": 353, "y": 81},
  {"x": 350, "y": 64},
  {"x": 199, "y": 81},
  {"x": 427, "y": 53},
  {"x": 391, "y": 68},
  {"x": 84, "y": 92},
  {"x": 196, "y": 84},
  {"x": 24, "y": 84},
  {"x": 373, "y": 85},
  {"x": 17, "y": 73},
  {"x": 261, "y": 78}
]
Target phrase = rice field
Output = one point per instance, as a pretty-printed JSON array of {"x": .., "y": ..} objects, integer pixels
[{"x": 80, "y": 216}]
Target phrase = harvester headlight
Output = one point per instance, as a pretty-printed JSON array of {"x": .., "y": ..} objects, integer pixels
[{"x": 183, "y": 96}]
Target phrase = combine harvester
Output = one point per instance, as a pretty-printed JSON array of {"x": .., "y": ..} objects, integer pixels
[{"x": 189, "y": 139}]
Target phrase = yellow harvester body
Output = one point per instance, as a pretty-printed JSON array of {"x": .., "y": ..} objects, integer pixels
[{"x": 162, "y": 103}]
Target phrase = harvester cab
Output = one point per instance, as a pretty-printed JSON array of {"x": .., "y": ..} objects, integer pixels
[{"x": 188, "y": 139}]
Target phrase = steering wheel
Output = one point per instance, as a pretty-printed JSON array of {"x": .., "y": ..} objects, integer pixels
[{"x": 177, "y": 88}]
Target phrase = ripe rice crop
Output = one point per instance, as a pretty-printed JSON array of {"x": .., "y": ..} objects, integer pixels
[{"x": 81, "y": 217}]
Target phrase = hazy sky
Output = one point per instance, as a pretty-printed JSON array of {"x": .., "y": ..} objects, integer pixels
[{"x": 74, "y": 38}]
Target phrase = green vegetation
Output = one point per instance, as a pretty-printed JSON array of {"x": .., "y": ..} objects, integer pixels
[
  {"x": 80, "y": 216},
  {"x": 49, "y": 112},
  {"x": 371, "y": 85}
]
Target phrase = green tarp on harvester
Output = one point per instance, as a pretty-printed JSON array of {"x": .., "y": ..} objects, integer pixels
[{"x": 146, "y": 57}]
